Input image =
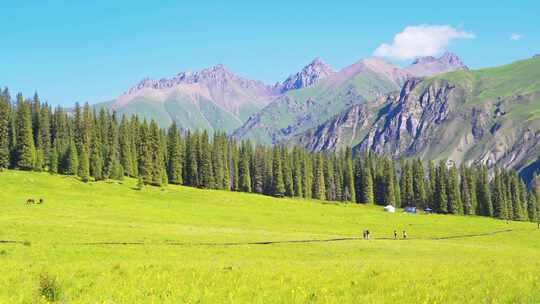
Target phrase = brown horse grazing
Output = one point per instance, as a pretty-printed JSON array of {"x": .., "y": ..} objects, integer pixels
[{"x": 30, "y": 201}]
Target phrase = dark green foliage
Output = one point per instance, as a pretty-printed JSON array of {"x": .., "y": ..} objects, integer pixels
[
  {"x": 174, "y": 156},
  {"x": 406, "y": 185},
  {"x": 278, "y": 185},
  {"x": 499, "y": 201},
  {"x": 287, "y": 172},
  {"x": 532, "y": 205},
  {"x": 244, "y": 173},
  {"x": 90, "y": 145},
  {"x": 191, "y": 171},
  {"x": 53, "y": 161},
  {"x": 72, "y": 160},
  {"x": 319, "y": 186},
  {"x": 84, "y": 165},
  {"x": 366, "y": 183},
  {"x": 5, "y": 116},
  {"x": 25, "y": 148},
  {"x": 156, "y": 162},
  {"x": 440, "y": 192},
  {"x": 349, "y": 192},
  {"x": 206, "y": 175},
  {"x": 485, "y": 204},
  {"x": 455, "y": 205},
  {"x": 419, "y": 186},
  {"x": 48, "y": 288},
  {"x": 329, "y": 180}
]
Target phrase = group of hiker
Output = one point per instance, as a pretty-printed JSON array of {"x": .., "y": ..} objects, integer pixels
[{"x": 366, "y": 234}]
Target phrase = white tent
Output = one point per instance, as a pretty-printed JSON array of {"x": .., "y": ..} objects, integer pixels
[{"x": 390, "y": 208}]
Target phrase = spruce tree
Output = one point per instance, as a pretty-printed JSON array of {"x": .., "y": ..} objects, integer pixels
[
  {"x": 218, "y": 161},
  {"x": 174, "y": 155},
  {"x": 53, "y": 160},
  {"x": 329, "y": 181},
  {"x": 226, "y": 164},
  {"x": 348, "y": 178},
  {"x": 465, "y": 191},
  {"x": 155, "y": 144},
  {"x": 5, "y": 115},
  {"x": 125, "y": 146},
  {"x": 258, "y": 170},
  {"x": 191, "y": 162},
  {"x": 307, "y": 176},
  {"x": 440, "y": 191},
  {"x": 483, "y": 193},
  {"x": 96, "y": 158},
  {"x": 145, "y": 154},
  {"x": 206, "y": 176},
  {"x": 72, "y": 160},
  {"x": 318, "y": 178},
  {"x": 278, "y": 185},
  {"x": 455, "y": 206},
  {"x": 499, "y": 203},
  {"x": 25, "y": 149},
  {"x": 532, "y": 205},
  {"x": 84, "y": 165},
  {"x": 297, "y": 172},
  {"x": 406, "y": 184},
  {"x": 338, "y": 181},
  {"x": 367, "y": 184},
  {"x": 419, "y": 186},
  {"x": 287, "y": 172},
  {"x": 244, "y": 173},
  {"x": 45, "y": 128},
  {"x": 516, "y": 198},
  {"x": 431, "y": 186}
]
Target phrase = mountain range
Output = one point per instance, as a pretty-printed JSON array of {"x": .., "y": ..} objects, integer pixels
[{"x": 434, "y": 108}]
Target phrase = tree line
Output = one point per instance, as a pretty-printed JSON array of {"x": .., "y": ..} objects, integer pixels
[{"x": 97, "y": 145}]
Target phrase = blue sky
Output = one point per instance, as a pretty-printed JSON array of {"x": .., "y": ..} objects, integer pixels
[{"x": 94, "y": 50}]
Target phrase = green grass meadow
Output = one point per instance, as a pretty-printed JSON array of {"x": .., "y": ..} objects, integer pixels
[{"x": 106, "y": 242}]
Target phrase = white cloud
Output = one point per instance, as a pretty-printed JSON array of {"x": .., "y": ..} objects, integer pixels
[
  {"x": 516, "y": 36},
  {"x": 421, "y": 40}
]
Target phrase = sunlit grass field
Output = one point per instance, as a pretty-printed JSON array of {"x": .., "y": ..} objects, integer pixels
[{"x": 109, "y": 243}]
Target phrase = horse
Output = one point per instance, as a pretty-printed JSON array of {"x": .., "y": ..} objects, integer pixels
[{"x": 30, "y": 201}]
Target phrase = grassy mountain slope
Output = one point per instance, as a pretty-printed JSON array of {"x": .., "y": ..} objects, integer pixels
[
  {"x": 167, "y": 263},
  {"x": 488, "y": 116},
  {"x": 212, "y": 99},
  {"x": 299, "y": 110}
]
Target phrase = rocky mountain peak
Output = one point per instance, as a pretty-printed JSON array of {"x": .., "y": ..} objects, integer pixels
[
  {"x": 429, "y": 65},
  {"x": 309, "y": 75},
  {"x": 217, "y": 75}
]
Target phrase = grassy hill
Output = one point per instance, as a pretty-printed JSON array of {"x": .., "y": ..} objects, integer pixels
[
  {"x": 489, "y": 116},
  {"x": 108, "y": 243}
]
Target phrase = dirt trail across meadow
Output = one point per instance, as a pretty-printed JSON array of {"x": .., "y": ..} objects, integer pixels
[{"x": 461, "y": 236}]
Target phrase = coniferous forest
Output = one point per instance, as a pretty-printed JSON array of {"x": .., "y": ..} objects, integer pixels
[{"x": 97, "y": 145}]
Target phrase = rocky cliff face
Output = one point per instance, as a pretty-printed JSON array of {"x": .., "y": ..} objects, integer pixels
[
  {"x": 410, "y": 121},
  {"x": 471, "y": 117},
  {"x": 298, "y": 110}
]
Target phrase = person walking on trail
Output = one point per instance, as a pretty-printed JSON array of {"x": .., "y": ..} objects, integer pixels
[
  {"x": 395, "y": 235},
  {"x": 367, "y": 234},
  {"x": 404, "y": 234}
]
